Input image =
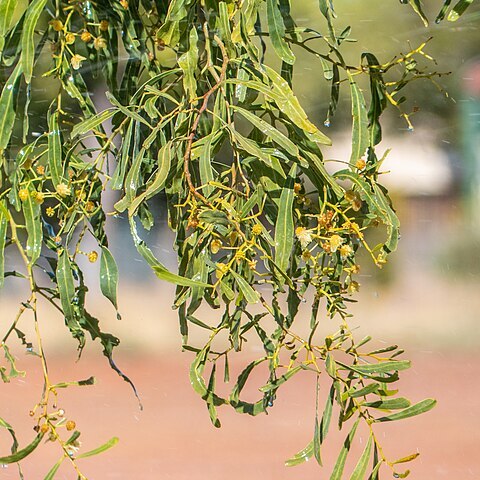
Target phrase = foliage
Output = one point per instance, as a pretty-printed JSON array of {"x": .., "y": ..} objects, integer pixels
[{"x": 199, "y": 115}]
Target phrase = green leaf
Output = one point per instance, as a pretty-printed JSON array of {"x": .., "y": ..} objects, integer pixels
[
  {"x": 284, "y": 229},
  {"x": 250, "y": 146},
  {"x": 128, "y": 113},
  {"x": 24, "y": 452},
  {"x": 417, "y": 409},
  {"x": 239, "y": 405},
  {"x": 389, "y": 404},
  {"x": 33, "y": 224},
  {"x": 327, "y": 415},
  {"x": 55, "y": 149},
  {"x": 164, "y": 163},
  {"x": 417, "y": 7},
  {"x": 66, "y": 289},
  {"x": 196, "y": 371},
  {"x": 188, "y": 63},
  {"x": 373, "y": 387},
  {"x": 301, "y": 457},
  {"x": 326, "y": 7},
  {"x": 274, "y": 384},
  {"x": 102, "y": 448},
  {"x": 288, "y": 104},
  {"x": 205, "y": 165},
  {"x": 360, "y": 137},
  {"x": 380, "y": 367},
  {"x": 11, "y": 431},
  {"x": 458, "y": 10},
  {"x": 92, "y": 123},
  {"x": 331, "y": 366},
  {"x": 269, "y": 130},
  {"x": 7, "y": 110},
  {"x": 361, "y": 467},
  {"x": 7, "y": 7},
  {"x": 109, "y": 276},
  {"x": 158, "y": 268},
  {"x": 406, "y": 459},
  {"x": 52, "y": 472},
  {"x": 251, "y": 296},
  {"x": 276, "y": 29},
  {"x": 342, "y": 457},
  {"x": 3, "y": 237},
  {"x": 34, "y": 11}
]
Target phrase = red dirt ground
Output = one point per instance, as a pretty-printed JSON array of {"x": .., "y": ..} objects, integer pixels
[{"x": 172, "y": 438}]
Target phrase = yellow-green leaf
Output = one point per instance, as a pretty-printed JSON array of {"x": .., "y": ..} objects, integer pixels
[
  {"x": 276, "y": 29},
  {"x": 417, "y": 409},
  {"x": 284, "y": 229},
  {"x": 7, "y": 7},
  {"x": 188, "y": 63},
  {"x": 361, "y": 467},
  {"x": 28, "y": 45},
  {"x": 360, "y": 136},
  {"x": 24, "y": 452},
  {"x": 301, "y": 457},
  {"x": 342, "y": 457},
  {"x": 3, "y": 237},
  {"x": 102, "y": 448},
  {"x": 7, "y": 111},
  {"x": 33, "y": 224},
  {"x": 55, "y": 149},
  {"x": 109, "y": 276}
]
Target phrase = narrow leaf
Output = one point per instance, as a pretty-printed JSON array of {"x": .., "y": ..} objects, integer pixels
[
  {"x": 31, "y": 212},
  {"x": 284, "y": 230},
  {"x": 360, "y": 137},
  {"x": 3, "y": 237},
  {"x": 301, "y": 457},
  {"x": 92, "y": 123},
  {"x": 361, "y": 467},
  {"x": 342, "y": 457},
  {"x": 276, "y": 29},
  {"x": 102, "y": 448},
  {"x": 158, "y": 268},
  {"x": 188, "y": 63},
  {"x": 109, "y": 276},
  {"x": 52, "y": 472},
  {"x": 28, "y": 45},
  {"x": 417, "y": 409},
  {"x": 251, "y": 296},
  {"x": 7, "y": 7},
  {"x": 55, "y": 149},
  {"x": 24, "y": 452},
  {"x": 7, "y": 111}
]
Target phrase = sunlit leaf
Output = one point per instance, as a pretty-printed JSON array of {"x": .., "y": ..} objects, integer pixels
[
  {"x": 28, "y": 44},
  {"x": 417, "y": 409},
  {"x": 108, "y": 276},
  {"x": 102, "y": 448}
]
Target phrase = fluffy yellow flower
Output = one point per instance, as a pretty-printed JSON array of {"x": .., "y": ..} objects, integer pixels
[
  {"x": 23, "y": 194},
  {"x": 76, "y": 61},
  {"x": 345, "y": 251},
  {"x": 257, "y": 229},
  {"x": 335, "y": 241},
  {"x": 304, "y": 236},
  {"x": 63, "y": 190}
]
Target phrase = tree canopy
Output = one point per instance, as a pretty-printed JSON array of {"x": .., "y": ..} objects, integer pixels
[{"x": 193, "y": 105}]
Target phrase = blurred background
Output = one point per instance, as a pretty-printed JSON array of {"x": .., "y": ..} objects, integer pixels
[{"x": 427, "y": 298}]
